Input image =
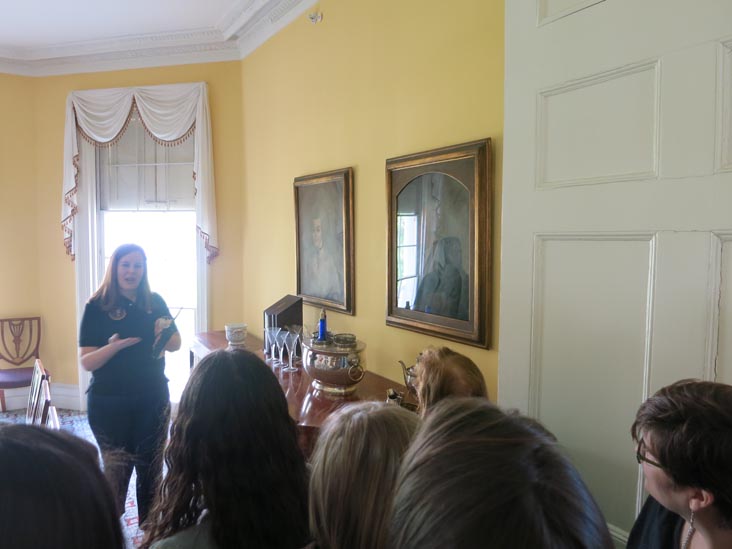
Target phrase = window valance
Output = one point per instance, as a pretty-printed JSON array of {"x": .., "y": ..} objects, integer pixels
[{"x": 170, "y": 114}]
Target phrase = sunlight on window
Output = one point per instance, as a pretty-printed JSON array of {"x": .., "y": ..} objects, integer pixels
[
  {"x": 407, "y": 268},
  {"x": 169, "y": 241}
]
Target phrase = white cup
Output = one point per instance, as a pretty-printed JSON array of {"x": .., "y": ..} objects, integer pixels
[{"x": 236, "y": 334}]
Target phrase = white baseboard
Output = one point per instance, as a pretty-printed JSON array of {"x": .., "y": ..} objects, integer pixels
[
  {"x": 62, "y": 396},
  {"x": 620, "y": 536}
]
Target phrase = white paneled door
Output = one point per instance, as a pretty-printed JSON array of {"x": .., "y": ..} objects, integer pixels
[{"x": 617, "y": 219}]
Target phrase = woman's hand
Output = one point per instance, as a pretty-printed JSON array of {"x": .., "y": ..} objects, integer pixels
[
  {"x": 121, "y": 343},
  {"x": 161, "y": 324},
  {"x": 93, "y": 358},
  {"x": 166, "y": 331}
]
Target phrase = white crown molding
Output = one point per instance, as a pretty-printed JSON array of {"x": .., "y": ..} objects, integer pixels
[
  {"x": 270, "y": 21},
  {"x": 238, "y": 33},
  {"x": 120, "y": 45}
]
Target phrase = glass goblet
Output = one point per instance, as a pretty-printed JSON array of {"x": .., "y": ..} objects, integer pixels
[
  {"x": 291, "y": 338},
  {"x": 272, "y": 332},
  {"x": 280, "y": 340},
  {"x": 298, "y": 330}
]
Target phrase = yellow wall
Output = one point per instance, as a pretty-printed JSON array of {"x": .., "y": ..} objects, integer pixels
[
  {"x": 34, "y": 110},
  {"x": 19, "y": 268},
  {"x": 374, "y": 80}
]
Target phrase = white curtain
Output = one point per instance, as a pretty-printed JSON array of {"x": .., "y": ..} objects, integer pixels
[{"x": 170, "y": 114}]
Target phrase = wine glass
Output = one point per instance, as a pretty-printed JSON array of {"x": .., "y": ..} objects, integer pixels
[
  {"x": 280, "y": 340},
  {"x": 291, "y": 338},
  {"x": 297, "y": 328},
  {"x": 272, "y": 332}
]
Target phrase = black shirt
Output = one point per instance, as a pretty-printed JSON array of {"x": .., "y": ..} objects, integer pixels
[
  {"x": 655, "y": 528},
  {"x": 132, "y": 370}
]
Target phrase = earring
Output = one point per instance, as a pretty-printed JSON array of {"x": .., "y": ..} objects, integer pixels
[{"x": 692, "y": 529}]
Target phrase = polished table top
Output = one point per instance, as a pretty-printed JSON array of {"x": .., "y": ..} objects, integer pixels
[{"x": 308, "y": 406}]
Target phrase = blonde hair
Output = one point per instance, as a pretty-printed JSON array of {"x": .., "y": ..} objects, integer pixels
[
  {"x": 354, "y": 471},
  {"x": 444, "y": 373}
]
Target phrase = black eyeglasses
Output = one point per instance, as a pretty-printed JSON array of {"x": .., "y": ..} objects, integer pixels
[{"x": 641, "y": 457}]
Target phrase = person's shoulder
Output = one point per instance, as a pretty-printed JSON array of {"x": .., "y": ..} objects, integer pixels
[
  {"x": 93, "y": 305},
  {"x": 655, "y": 528},
  {"x": 195, "y": 537},
  {"x": 157, "y": 300}
]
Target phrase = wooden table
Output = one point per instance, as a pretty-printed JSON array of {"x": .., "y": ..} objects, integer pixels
[{"x": 308, "y": 406}]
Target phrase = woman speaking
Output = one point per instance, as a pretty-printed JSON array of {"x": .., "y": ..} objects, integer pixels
[{"x": 124, "y": 334}]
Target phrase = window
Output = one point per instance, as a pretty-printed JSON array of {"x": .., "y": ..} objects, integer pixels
[
  {"x": 139, "y": 174},
  {"x": 407, "y": 248},
  {"x": 146, "y": 196}
]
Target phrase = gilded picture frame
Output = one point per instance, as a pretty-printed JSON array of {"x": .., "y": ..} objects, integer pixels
[
  {"x": 324, "y": 239},
  {"x": 439, "y": 242}
]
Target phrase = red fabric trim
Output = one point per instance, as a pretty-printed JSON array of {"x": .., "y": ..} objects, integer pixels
[{"x": 211, "y": 251}]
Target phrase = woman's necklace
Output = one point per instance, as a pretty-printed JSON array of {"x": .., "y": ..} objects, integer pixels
[{"x": 689, "y": 533}]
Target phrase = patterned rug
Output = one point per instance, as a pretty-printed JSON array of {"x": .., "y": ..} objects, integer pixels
[{"x": 76, "y": 423}]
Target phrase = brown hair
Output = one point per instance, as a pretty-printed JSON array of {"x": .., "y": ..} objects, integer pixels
[
  {"x": 443, "y": 373},
  {"x": 233, "y": 454},
  {"x": 476, "y": 476},
  {"x": 54, "y": 494},
  {"x": 354, "y": 470},
  {"x": 108, "y": 293},
  {"x": 689, "y": 424}
]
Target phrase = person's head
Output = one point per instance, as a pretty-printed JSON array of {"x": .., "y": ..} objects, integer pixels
[
  {"x": 449, "y": 252},
  {"x": 441, "y": 373},
  {"x": 233, "y": 452},
  {"x": 53, "y": 494},
  {"x": 354, "y": 469},
  {"x": 317, "y": 232},
  {"x": 684, "y": 441},
  {"x": 476, "y": 476},
  {"x": 126, "y": 275}
]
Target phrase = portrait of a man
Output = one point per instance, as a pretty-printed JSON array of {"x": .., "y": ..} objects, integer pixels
[{"x": 323, "y": 238}]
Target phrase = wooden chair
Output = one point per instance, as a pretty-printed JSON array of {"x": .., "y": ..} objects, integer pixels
[
  {"x": 39, "y": 374},
  {"x": 40, "y": 417},
  {"x": 53, "y": 422},
  {"x": 20, "y": 340}
]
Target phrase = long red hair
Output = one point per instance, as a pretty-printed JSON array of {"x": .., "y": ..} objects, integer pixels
[{"x": 108, "y": 293}]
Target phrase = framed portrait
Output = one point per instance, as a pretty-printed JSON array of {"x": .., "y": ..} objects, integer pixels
[
  {"x": 439, "y": 242},
  {"x": 324, "y": 239}
]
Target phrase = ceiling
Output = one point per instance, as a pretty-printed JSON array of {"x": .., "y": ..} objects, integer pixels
[{"x": 46, "y": 37}]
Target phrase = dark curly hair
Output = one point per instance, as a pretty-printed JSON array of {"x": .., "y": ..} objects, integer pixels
[
  {"x": 689, "y": 424},
  {"x": 233, "y": 453}
]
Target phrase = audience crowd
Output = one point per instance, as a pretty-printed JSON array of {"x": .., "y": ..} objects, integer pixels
[{"x": 461, "y": 473}]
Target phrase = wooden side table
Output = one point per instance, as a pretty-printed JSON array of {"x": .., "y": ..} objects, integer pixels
[{"x": 308, "y": 406}]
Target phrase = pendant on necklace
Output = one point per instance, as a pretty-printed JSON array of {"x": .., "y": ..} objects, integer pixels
[{"x": 117, "y": 314}]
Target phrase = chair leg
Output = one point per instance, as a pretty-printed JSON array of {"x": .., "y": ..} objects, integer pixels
[{"x": 2, "y": 400}]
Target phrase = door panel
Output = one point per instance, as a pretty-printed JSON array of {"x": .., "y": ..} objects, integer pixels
[
  {"x": 616, "y": 225},
  {"x": 590, "y": 320},
  {"x": 599, "y": 129}
]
